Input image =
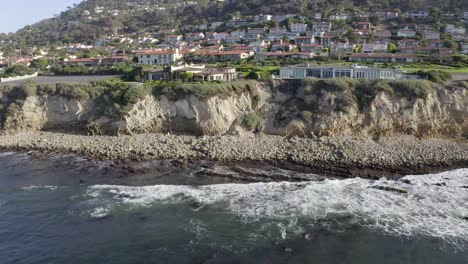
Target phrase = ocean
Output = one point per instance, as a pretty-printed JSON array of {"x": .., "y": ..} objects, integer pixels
[{"x": 66, "y": 209}]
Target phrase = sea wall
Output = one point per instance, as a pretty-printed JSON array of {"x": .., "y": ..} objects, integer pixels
[{"x": 18, "y": 78}]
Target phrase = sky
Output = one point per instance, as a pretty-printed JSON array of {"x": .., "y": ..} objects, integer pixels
[{"x": 15, "y": 14}]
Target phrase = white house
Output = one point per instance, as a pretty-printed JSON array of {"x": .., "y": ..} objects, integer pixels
[
  {"x": 298, "y": 27},
  {"x": 326, "y": 72},
  {"x": 263, "y": 18},
  {"x": 374, "y": 48},
  {"x": 173, "y": 38},
  {"x": 406, "y": 33},
  {"x": 339, "y": 17},
  {"x": 221, "y": 35},
  {"x": 452, "y": 29},
  {"x": 161, "y": 57}
]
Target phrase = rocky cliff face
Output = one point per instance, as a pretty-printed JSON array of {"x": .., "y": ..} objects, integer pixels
[
  {"x": 296, "y": 111},
  {"x": 443, "y": 113},
  {"x": 46, "y": 112},
  {"x": 190, "y": 114}
]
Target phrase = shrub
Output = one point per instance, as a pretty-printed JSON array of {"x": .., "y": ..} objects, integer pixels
[
  {"x": 255, "y": 101},
  {"x": 28, "y": 90},
  {"x": 251, "y": 121},
  {"x": 307, "y": 116},
  {"x": 435, "y": 76},
  {"x": 18, "y": 70},
  {"x": 134, "y": 94},
  {"x": 464, "y": 84},
  {"x": 413, "y": 89}
]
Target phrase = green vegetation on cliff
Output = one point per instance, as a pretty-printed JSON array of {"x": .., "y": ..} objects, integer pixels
[{"x": 364, "y": 91}]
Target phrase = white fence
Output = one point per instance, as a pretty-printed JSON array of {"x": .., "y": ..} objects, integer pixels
[{"x": 17, "y": 78}]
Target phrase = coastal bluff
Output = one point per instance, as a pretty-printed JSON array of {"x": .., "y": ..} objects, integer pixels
[{"x": 308, "y": 108}]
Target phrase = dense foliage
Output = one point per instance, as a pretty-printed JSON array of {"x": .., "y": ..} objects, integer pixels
[
  {"x": 17, "y": 70},
  {"x": 78, "y": 25}
]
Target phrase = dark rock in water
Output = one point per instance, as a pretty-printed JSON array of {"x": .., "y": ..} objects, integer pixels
[
  {"x": 288, "y": 250},
  {"x": 441, "y": 184},
  {"x": 464, "y": 187},
  {"x": 406, "y": 181},
  {"x": 82, "y": 181},
  {"x": 124, "y": 195},
  {"x": 388, "y": 189},
  {"x": 465, "y": 218}
]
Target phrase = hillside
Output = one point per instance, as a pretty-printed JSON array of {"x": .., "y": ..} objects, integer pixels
[{"x": 94, "y": 18}]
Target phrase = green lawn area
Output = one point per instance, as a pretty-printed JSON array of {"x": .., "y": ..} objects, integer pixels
[{"x": 450, "y": 69}]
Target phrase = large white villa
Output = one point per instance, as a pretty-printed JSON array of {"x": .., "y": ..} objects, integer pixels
[{"x": 326, "y": 72}]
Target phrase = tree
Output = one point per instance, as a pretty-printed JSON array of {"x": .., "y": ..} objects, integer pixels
[
  {"x": 39, "y": 64},
  {"x": 392, "y": 48}
]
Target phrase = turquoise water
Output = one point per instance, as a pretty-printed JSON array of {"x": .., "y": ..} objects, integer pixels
[{"x": 63, "y": 209}]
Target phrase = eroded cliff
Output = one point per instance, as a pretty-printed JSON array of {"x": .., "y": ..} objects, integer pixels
[{"x": 306, "y": 108}]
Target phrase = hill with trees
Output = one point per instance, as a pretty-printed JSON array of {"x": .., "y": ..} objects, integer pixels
[{"x": 93, "y": 19}]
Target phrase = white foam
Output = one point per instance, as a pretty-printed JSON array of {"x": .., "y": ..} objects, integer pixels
[
  {"x": 44, "y": 187},
  {"x": 425, "y": 209},
  {"x": 99, "y": 212}
]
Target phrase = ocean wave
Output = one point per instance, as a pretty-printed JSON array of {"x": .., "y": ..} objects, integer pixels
[
  {"x": 99, "y": 212},
  {"x": 431, "y": 205},
  {"x": 6, "y": 154}
]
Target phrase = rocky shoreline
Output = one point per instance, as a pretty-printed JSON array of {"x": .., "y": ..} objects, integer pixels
[{"x": 390, "y": 157}]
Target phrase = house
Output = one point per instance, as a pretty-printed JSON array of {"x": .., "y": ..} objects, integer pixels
[
  {"x": 420, "y": 14},
  {"x": 253, "y": 31},
  {"x": 278, "y": 30},
  {"x": 217, "y": 74},
  {"x": 326, "y": 41},
  {"x": 220, "y": 56},
  {"x": 173, "y": 38},
  {"x": 298, "y": 27},
  {"x": 195, "y": 36},
  {"x": 464, "y": 48},
  {"x": 304, "y": 40},
  {"x": 263, "y": 18},
  {"x": 342, "y": 48},
  {"x": 452, "y": 29},
  {"x": 382, "y": 57},
  {"x": 436, "y": 43},
  {"x": 199, "y": 73},
  {"x": 238, "y": 35},
  {"x": 363, "y": 26},
  {"x": 284, "y": 55},
  {"x": 315, "y": 48},
  {"x": 282, "y": 47},
  {"x": 406, "y": 33},
  {"x": 111, "y": 60},
  {"x": 161, "y": 57},
  {"x": 403, "y": 43},
  {"x": 327, "y": 72},
  {"x": 221, "y": 35},
  {"x": 79, "y": 62},
  {"x": 374, "y": 48},
  {"x": 383, "y": 34},
  {"x": 340, "y": 16},
  {"x": 319, "y": 29},
  {"x": 429, "y": 35}
]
